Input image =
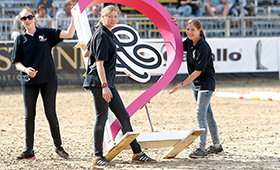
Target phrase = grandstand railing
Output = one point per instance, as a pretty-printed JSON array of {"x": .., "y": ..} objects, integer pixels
[{"x": 268, "y": 26}]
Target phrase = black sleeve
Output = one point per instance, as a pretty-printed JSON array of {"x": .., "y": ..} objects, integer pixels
[
  {"x": 17, "y": 55},
  {"x": 54, "y": 36}
]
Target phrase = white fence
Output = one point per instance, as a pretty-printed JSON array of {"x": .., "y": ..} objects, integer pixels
[{"x": 213, "y": 27}]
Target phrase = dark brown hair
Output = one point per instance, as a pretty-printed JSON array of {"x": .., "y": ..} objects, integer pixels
[
  {"x": 197, "y": 24},
  {"x": 41, "y": 7}
]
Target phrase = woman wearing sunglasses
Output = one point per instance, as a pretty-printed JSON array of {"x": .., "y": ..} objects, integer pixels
[{"x": 32, "y": 57}]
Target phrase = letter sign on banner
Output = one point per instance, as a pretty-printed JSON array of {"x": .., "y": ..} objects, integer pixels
[
  {"x": 171, "y": 36},
  {"x": 129, "y": 58}
]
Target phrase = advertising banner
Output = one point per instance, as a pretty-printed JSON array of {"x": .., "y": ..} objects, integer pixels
[
  {"x": 67, "y": 58},
  {"x": 231, "y": 55},
  {"x": 238, "y": 55}
]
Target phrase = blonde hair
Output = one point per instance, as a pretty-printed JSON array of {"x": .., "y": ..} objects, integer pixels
[
  {"x": 106, "y": 11},
  {"x": 26, "y": 8},
  {"x": 197, "y": 24}
]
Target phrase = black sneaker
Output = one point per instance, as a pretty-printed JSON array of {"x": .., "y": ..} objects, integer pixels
[
  {"x": 214, "y": 150},
  {"x": 61, "y": 152},
  {"x": 27, "y": 155},
  {"x": 198, "y": 153},
  {"x": 142, "y": 158},
  {"x": 102, "y": 161}
]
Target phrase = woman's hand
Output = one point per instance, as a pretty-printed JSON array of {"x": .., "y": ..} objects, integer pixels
[
  {"x": 107, "y": 94},
  {"x": 31, "y": 71},
  {"x": 86, "y": 53},
  {"x": 177, "y": 87},
  {"x": 175, "y": 21}
]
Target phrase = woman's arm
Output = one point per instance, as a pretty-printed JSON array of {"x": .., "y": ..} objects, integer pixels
[
  {"x": 69, "y": 33},
  {"x": 188, "y": 80},
  {"x": 28, "y": 70},
  {"x": 107, "y": 94}
]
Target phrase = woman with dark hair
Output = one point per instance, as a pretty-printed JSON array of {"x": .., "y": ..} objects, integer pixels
[
  {"x": 100, "y": 79},
  {"x": 32, "y": 57},
  {"x": 202, "y": 78}
]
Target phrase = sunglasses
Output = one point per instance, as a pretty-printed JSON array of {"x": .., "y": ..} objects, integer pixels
[{"x": 29, "y": 17}]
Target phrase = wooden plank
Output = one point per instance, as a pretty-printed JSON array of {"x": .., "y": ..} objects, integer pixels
[
  {"x": 185, "y": 142},
  {"x": 126, "y": 139}
]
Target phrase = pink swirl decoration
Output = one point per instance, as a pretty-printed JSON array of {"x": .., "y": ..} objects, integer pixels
[{"x": 173, "y": 42}]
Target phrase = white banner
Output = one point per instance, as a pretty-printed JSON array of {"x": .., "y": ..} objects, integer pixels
[{"x": 238, "y": 55}]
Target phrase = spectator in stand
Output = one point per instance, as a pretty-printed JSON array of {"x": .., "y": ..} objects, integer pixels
[
  {"x": 16, "y": 28},
  {"x": 64, "y": 17},
  {"x": 94, "y": 13},
  {"x": 236, "y": 7},
  {"x": 186, "y": 8},
  {"x": 48, "y": 5},
  {"x": 214, "y": 7},
  {"x": 43, "y": 19}
]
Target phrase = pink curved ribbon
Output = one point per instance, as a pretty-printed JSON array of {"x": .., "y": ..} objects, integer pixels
[{"x": 170, "y": 33}]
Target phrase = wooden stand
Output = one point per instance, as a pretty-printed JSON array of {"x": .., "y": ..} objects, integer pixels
[
  {"x": 177, "y": 140},
  {"x": 121, "y": 145}
]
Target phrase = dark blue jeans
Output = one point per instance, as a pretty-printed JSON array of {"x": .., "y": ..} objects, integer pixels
[
  {"x": 101, "y": 109},
  {"x": 30, "y": 95}
]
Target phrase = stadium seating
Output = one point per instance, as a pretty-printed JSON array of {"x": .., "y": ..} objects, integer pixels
[{"x": 266, "y": 21}]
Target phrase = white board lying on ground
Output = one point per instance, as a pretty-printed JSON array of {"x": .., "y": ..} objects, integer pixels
[
  {"x": 121, "y": 144},
  {"x": 178, "y": 140}
]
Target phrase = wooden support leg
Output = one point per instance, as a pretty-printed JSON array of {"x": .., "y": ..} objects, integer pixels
[
  {"x": 126, "y": 139},
  {"x": 185, "y": 142}
]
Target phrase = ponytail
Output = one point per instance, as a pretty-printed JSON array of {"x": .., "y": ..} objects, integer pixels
[
  {"x": 202, "y": 33},
  {"x": 98, "y": 24}
]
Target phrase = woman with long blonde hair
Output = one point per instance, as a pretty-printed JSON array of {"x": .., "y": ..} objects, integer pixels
[{"x": 100, "y": 79}]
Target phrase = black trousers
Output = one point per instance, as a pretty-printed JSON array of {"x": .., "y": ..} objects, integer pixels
[
  {"x": 117, "y": 107},
  {"x": 30, "y": 95}
]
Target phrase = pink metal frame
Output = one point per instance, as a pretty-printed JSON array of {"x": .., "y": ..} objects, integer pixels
[{"x": 173, "y": 42}]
